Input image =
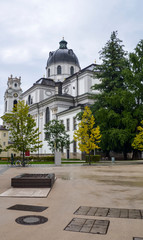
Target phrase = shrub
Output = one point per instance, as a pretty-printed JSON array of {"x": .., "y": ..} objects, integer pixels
[
  {"x": 4, "y": 158},
  {"x": 93, "y": 158},
  {"x": 41, "y": 159}
]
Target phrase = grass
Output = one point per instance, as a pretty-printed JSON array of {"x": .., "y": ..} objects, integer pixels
[{"x": 63, "y": 161}]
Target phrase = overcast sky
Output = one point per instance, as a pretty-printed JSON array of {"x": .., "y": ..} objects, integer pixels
[{"x": 29, "y": 29}]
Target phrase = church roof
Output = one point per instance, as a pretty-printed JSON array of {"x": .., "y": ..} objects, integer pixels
[
  {"x": 46, "y": 81},
  {"x": 63, "y": 54}
]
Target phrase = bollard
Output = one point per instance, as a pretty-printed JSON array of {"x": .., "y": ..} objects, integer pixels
[{"x": 113, "y": 159}]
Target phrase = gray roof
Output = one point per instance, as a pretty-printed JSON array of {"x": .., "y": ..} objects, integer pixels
[
  {"x": 3, "y": 128},
  {"x": 63, "y": 55},
  {"x": 46, "y": 81}
]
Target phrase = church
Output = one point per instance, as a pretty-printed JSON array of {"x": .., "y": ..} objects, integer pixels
[{"x": 63, "y": 93}]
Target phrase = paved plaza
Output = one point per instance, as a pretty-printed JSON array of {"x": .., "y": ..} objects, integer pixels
[{"x": 86, "y": 202}]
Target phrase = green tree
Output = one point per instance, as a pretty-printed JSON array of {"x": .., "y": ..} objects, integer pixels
[
  {"x": 23, "y": 132},
  {"x": 134, "y": 81},
  {"x": 56, "y": 135},
  {"x": 87, "y": 135},
  {"x": 113, "y": 102}
]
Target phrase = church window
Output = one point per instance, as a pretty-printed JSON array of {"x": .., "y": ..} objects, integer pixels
[
  {"x": 62, "y": 121},
  {"x": 30, "y": 100},
  {"x": 15, "y": 84},
  {"x": 59, "y": 70},
  {"x": 48, "y": 72},
  {"x": 47, "y": 119},
  {"x": 74, "y": 146},
  {"x": 6, "y": 106},
  {"x": 74, "y": 123},
  {"x": 71, "y": 70},
  {"x": 15, "y": 103},
  {"x": 68, "y": 124}
]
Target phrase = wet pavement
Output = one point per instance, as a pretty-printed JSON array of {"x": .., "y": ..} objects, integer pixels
[{"x": 109, "y": 187}]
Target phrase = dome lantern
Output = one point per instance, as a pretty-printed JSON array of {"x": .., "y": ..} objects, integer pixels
[{"x": 63, "y": 44}]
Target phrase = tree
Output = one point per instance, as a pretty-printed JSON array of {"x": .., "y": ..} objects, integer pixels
[
  {"x": 87, "y": 135},
  {"x": 23, "y": 132},
  {"x": 134, "y": 81},
  {"x": 138, "y": 140},
  {"x": 114, "y": 103},
  {"x": 0, "y": 148},
  {"x": 56, "y": 135}
]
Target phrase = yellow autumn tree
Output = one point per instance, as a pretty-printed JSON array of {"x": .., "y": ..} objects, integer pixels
[
  {"x": 138, "y": 140},
  {"x": 87, "y": 136}
]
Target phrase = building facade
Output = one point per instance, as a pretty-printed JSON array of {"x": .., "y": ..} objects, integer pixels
[
  {"x": 4, "y": 142},
  {"x": 62, "y": 94}
]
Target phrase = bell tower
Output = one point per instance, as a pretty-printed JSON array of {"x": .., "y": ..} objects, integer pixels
[{"x": 12, "y": 93}]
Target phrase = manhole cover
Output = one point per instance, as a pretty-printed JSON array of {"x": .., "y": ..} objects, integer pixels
[
  {"x": 31, "y": 220},
  {"x": 31, "y": 208},
  {"x": 88, "y": 226}
]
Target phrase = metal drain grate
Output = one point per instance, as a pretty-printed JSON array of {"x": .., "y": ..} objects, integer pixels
[
  {"x": 31, "y": 220},
  {"x": 110, "y": 212},
  {"x": 137, "y": 238},
  {"x": 31, "y": 208},
  {"x": 88, "y": 226}
]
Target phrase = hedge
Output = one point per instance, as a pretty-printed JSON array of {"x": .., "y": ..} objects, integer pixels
[
  {"x": 34, "y": 158},
  {"x": 93, "y": 158}
]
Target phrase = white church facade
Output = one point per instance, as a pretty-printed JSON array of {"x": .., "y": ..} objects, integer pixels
[{"x": 60, "y": 95}]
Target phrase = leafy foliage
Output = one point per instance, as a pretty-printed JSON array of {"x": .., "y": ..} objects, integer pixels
[
  {"x": 56, "y": 135},
  {"x": 23, "y": 132},
  {"x": 138, "y": 140},
  {"x": 87, "y": 135}
]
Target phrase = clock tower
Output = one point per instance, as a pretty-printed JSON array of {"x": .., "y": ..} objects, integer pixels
[{"x": 12, "y": 93}]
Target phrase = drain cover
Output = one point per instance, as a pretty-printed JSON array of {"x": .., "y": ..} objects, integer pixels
[
  {"x": 110, "y": 212},
  {"x": 88, "y": 226},
  {"x": 31, "y": 220},
  {"x": 137, "y": 238},
  {"x": 31, "y": 208}
]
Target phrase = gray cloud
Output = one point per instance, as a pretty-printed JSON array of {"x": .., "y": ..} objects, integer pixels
[{"x": 30, "y": 29}]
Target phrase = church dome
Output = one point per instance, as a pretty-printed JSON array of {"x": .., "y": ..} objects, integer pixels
[{"x": 63, "y": 54}]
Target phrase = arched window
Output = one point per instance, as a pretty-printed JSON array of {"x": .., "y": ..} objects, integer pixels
[
  {"x": 72, "y": 70},
  {"x": 29, "y": 99},
  {"x": 47, "y": 118},
  {"x": 59, "y": 70},
  {"x": 15, "y": 103},
  {"x": 15, "y": 84},
  {"x": 48, "y": 72},
  {"x": 6, "y": 106}
]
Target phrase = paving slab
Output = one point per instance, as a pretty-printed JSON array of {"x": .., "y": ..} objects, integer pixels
[
  {"x": 104, "y": 187},
  {"x": 88, "y": 226},
  {"x": 110, "y": 212},
  {"x": 26, "y": 192}
]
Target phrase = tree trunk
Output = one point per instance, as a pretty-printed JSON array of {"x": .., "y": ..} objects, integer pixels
[
  {"x": 136, "y": 154},
  {"x": 23, "y": 160},
  {"x": 125, "y": 155},
  {"x": 107, "y": 154},
  {"x": 89, "y": 159}
]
